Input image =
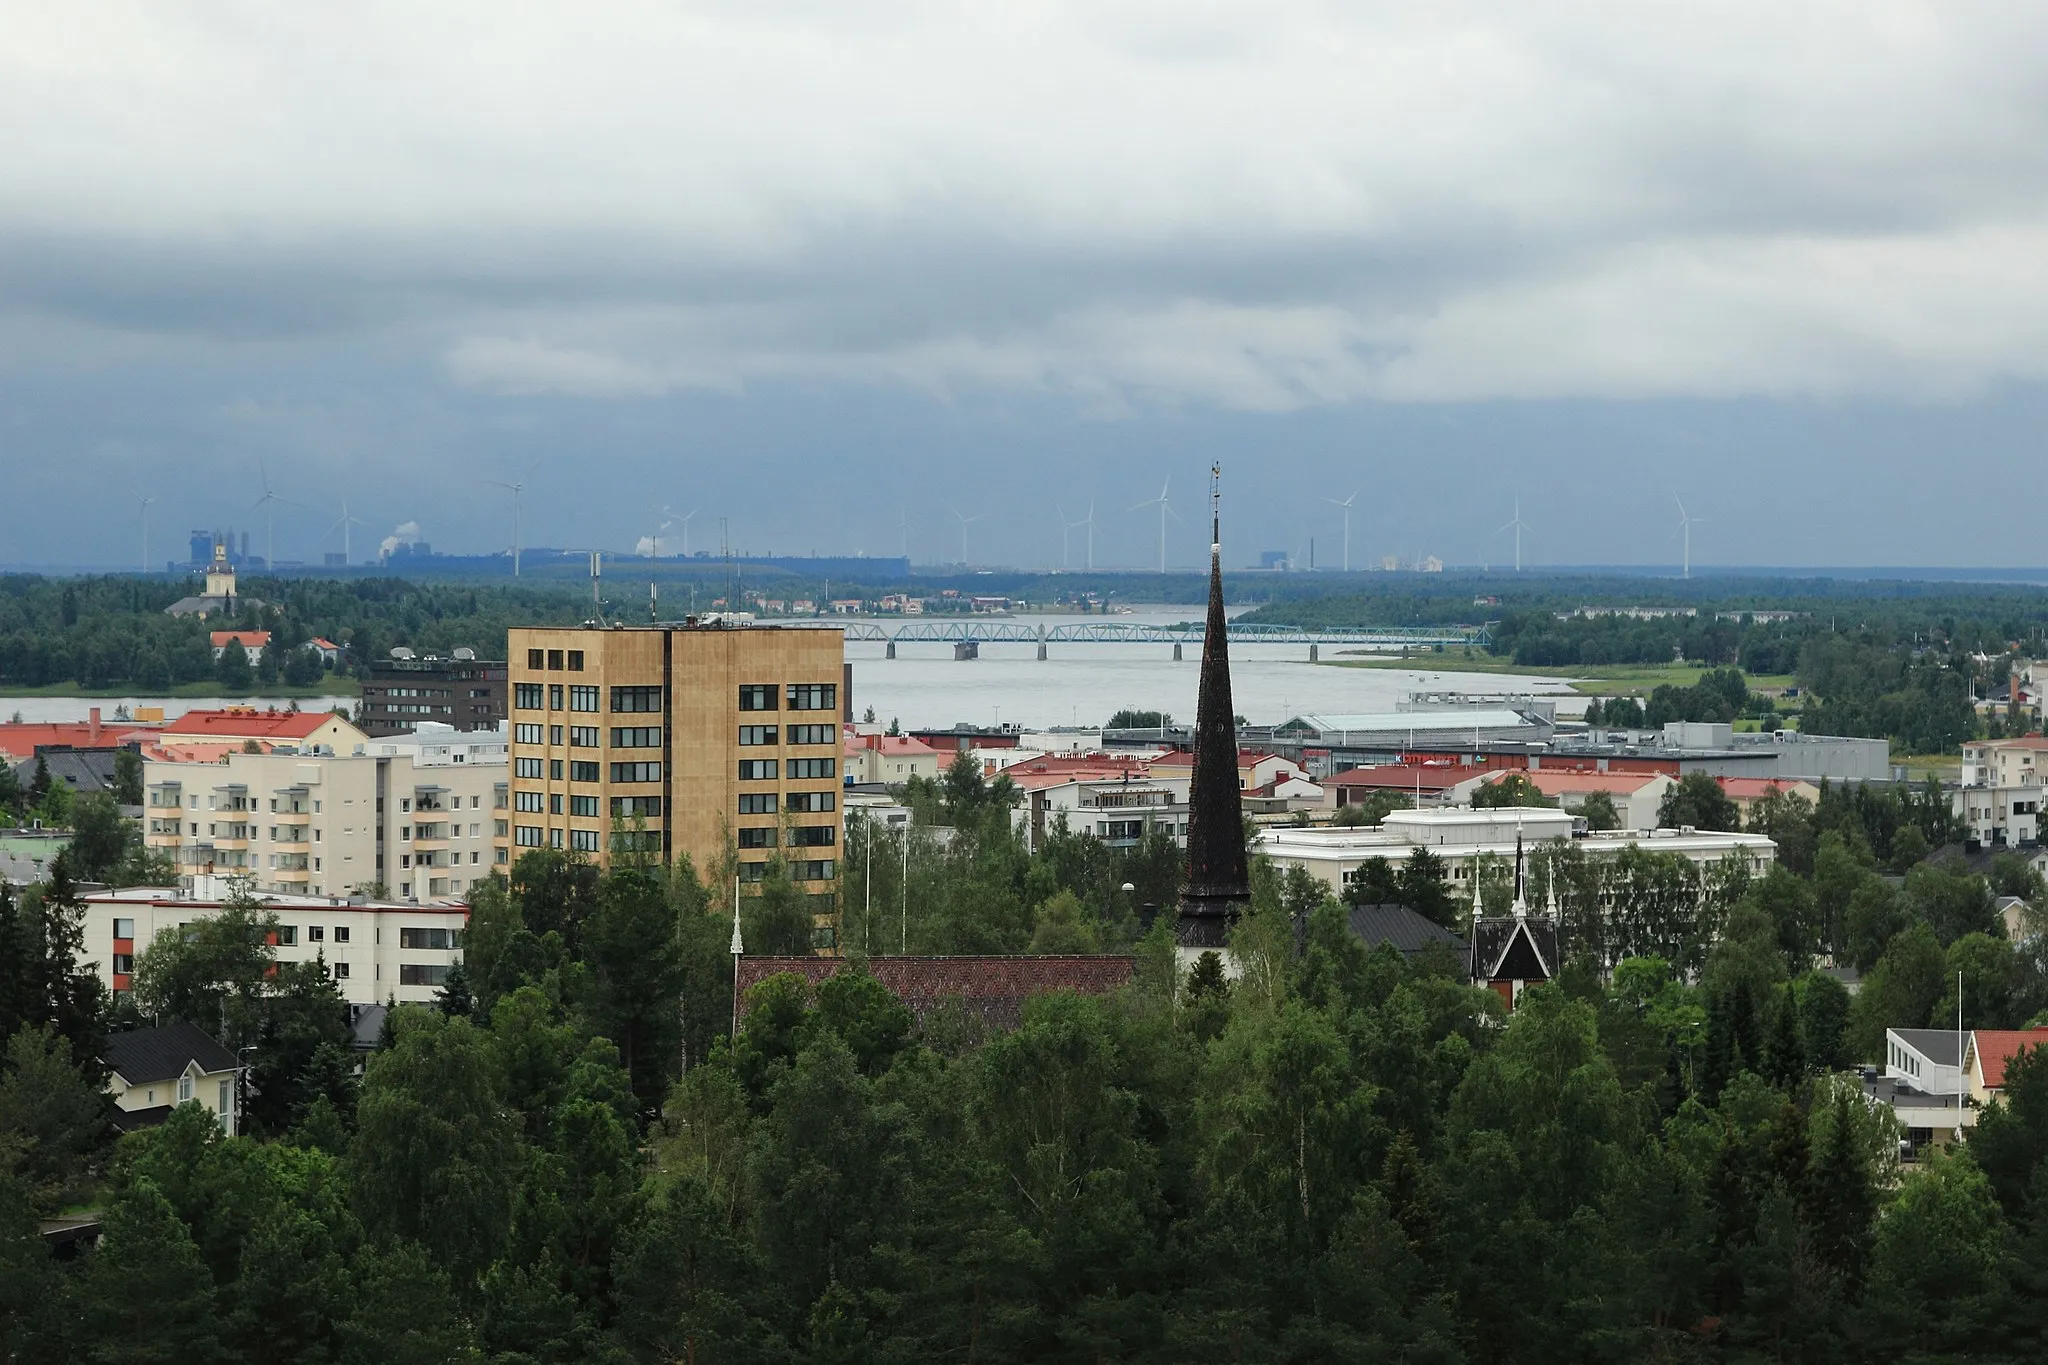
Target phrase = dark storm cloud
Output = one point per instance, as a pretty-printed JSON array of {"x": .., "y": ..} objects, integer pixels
[{"x": 417, "y": 236}]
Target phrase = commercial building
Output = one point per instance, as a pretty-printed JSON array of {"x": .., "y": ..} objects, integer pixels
[
  {"x": 1461, "y": 837},
  {"x": 375, "y": 950},
  {"x": 406, "y": 689},
  {"x": 422, "y": 821},
  {"x": 714, "y": 739}
]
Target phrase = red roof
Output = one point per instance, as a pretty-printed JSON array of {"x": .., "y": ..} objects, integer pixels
[
  {"x": 1997, "y": 1047},
  {"x": 245, "y": 638},
  {"x": 1408, "y": 777},
  {"x": 21, "y": 740},
  {"x": 246, "y": 722},
  {"x": 990, "y": 990},
  {"x": 1183, "y": 758},
  {"x": 1753, "y": 788},
  {"x": 1558, "y": 784}
]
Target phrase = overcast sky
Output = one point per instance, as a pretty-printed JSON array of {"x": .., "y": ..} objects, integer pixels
[{"x": 823, "y": 267}]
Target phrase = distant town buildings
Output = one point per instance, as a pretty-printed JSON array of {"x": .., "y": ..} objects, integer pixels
[{"x": 407, "y": 689}]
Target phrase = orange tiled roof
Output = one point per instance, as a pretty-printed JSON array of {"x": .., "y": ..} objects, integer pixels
[
  {"x": 1753, "y": 788},
  {"x": 1997, "y": 1047},
  {"x": 21, "y": 740},
  {"x": 1558, "y": 784},
  {"x": 246, "y": 722}
]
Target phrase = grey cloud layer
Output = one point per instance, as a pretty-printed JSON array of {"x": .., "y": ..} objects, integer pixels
[{"x": 1130, "y": 204}]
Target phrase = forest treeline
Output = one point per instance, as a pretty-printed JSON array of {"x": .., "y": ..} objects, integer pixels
[{"x": 1338, "y": 1155}]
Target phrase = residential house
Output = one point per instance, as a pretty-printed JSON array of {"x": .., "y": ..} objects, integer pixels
[
  {"x": 889, "y": 759},
  {"x": 2000, "y": 792},
  {"x": 1636, "y": 796},
  {"x": 1425, "y": 785},
  {"x": 252, "y": 643},
  {"x": 329, "y": 652},
  {"x": 1989, "y": 1052},
  {"x": 268, "y": 727},
  {"x": 1746, "y": 792},
  {"x": 151, "y": 1071}
]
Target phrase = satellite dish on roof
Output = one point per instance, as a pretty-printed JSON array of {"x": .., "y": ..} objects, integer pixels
[
  {"x": 401, "y": 652},
  {"x": 464, "y": 652}
]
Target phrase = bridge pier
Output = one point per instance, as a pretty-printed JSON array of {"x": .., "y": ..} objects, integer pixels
[
  {"x": 1176, "y": 651},
  {"x": 1041, "y": 651},
  {"x": 890, "y": 652},
  {"x": 1313, "y": 657},
  {"x": 967, "y": 649}
]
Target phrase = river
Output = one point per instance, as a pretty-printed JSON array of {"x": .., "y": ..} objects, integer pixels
[{"x": 1080, "y": 684}]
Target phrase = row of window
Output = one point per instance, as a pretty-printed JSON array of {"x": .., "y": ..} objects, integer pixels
[
  {"x": 534, "y": 803},
  {"x": 803, "y": 836},
  {"x": 553, "y": 660},
  {"x": 796, "y": 769},
  {"x": 795, "y": 734},
  {"x": 527, "y": 697},
  {"x": 583, "y": 840},
  {"x": 801, "y": 803},
  {"x": 802, "y": 870},
  {"x": 797, "y": 696}
]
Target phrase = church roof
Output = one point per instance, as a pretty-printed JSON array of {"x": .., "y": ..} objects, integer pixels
[
  {"x": 1514, "y": 950},
  {"x": 1218, "y": 883}
]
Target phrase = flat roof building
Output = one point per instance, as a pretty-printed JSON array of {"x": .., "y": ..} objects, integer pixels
[
  {"x": 461, "y": 690},
  {"x": 715, "y": 739}
]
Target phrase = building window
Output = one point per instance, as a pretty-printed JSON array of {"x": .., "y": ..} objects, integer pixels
[
  {"x": 813, "y": 836},
  {"x": 757, "y": 838},
  {"x": 753, "y": 872},
  {"x": 757, "y": 770},
  {"x": 757, "y": 803},
  {"x": 583, "y": 840},
  {"x": 316, "y": 933},
  {"x": 554, "y": 661},
  {"x": 526, "y": 767},
  {"x": 555, "y": 770},
  {"x": 554, "y": 803},
  {"x": 422, "y": 973},
  {"x": 757, "y": 697},
  {"x": 801, "y": 768},
  {"x": 813, "y": 696},
  {"x": 636, "y": 737},
  {"x": 554, "y": 696},
  {"x": 555, "y": 735},
  {"x": 813, "y": 734},
  {"x": 583, "y": 805},
  {"x": 184, "y": 1089},
  {"x": 341, "y": 971},
  {"x": 524, "y": 733},
  {"x": 811, "y": 870},
  {"x": 341, "y": 933},
  {"x": 583, "y": 770},
  {"x": 810, "y": 803},
  {"x": 629, "y": 806},
  {"x": 526, "y": 696},
  {"x": 287, "y": 935},
  {"x": 427, "y": 938},
  {"x": 526, "y": 836},
  {"x": 575, "y": 661},
  {"x": 636, "y": 699},
  {"x": 124, "y": 963},
  {"x": 124, "y": 928},
  {"x": 527, "y": 801},
  {"x": 554, "y": 837},
  {"x": 533, "y": 660},
  {"x": 582, "y": 698},
  {"x": 751, "y": 735},
  {"x": 636, "y": 772},
  {"x": 583, "y": 736},
  {"x": 637, "y": 841}
]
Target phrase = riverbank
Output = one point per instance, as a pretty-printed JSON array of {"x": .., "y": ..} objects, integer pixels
[
  {"x": 329, "y": 687},
  {"x": 1592, "y": 680}
]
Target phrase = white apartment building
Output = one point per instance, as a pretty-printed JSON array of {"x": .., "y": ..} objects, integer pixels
[
  {"x": 2003, "y": 782},
  {"x": 1461, "y": 836},
  {"x": 423, "y": 816},
  {"x": 374, "y": 950}
]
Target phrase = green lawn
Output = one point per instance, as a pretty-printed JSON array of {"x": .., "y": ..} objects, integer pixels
[
  {"x": 1605, "y": 680},
  {"x": 333, "y": 687}
]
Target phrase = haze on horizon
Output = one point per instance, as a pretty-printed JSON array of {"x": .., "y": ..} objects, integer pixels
[{"x": 818, "y": 268}]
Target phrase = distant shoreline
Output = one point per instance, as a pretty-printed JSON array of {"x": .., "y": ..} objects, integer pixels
[{"x": 330, "y": 687}]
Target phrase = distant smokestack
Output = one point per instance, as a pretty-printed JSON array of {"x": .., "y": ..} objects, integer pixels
[{"x": 407, "y": 533}]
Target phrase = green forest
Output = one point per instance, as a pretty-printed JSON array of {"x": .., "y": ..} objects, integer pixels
[{"x": 1336, "y": 1155}]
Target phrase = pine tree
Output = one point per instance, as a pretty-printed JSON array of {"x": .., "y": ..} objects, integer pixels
[{"x": 147, "y": 1296}]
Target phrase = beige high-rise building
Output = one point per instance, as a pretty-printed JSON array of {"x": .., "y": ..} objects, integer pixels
[{"x": 714, "y": 739}]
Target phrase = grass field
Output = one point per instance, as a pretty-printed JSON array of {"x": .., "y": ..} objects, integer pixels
[
  {"x": 333, "y": 687},
  {"x": 1609, "y": 680}
]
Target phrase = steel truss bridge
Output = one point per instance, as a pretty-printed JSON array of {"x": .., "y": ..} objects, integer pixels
[{"x": 1009, "y": 631}]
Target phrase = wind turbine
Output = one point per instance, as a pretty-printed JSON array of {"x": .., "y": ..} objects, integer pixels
[
  {"x": 674, "y": 520},
  {"x": 347, "y": 550},
  {"x": 145, "y": 529},
  {"x": 268, "y": 502},
  {"x": 1517, "y": 526},
  {"x": 516, "y": 489},
  {"x": 1066, "y": 559},
  {"x": 1089, "y": 522},
  {"x": 1346, "y": 505},
  {"x": 1165, "y": 508},
  {"x": 1685, "y": 529},
  {"x": 965, "y": 522}
]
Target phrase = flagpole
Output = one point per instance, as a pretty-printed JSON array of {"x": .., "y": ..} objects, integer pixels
[{"x": 737, "y": 949}]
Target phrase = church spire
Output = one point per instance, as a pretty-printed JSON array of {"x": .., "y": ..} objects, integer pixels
[{"x": 1218, "y": 885}]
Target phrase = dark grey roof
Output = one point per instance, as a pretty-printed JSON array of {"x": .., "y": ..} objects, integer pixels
[
  {"x": 85, "y": 771},
  {"x": 1408, "y": 930},
  {"x": 1514, "y": 950},
  {"x": 158, "y": 1054},
  {"x": 1942, "y": 1046},
  {"x": 367, "y": 1025}
]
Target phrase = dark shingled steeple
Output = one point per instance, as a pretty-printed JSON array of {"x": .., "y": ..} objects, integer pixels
[{"x": 1218, "y": 884}]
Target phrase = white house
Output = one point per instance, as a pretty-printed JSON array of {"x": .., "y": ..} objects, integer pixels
[{"x": 151, "y": 1071}]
